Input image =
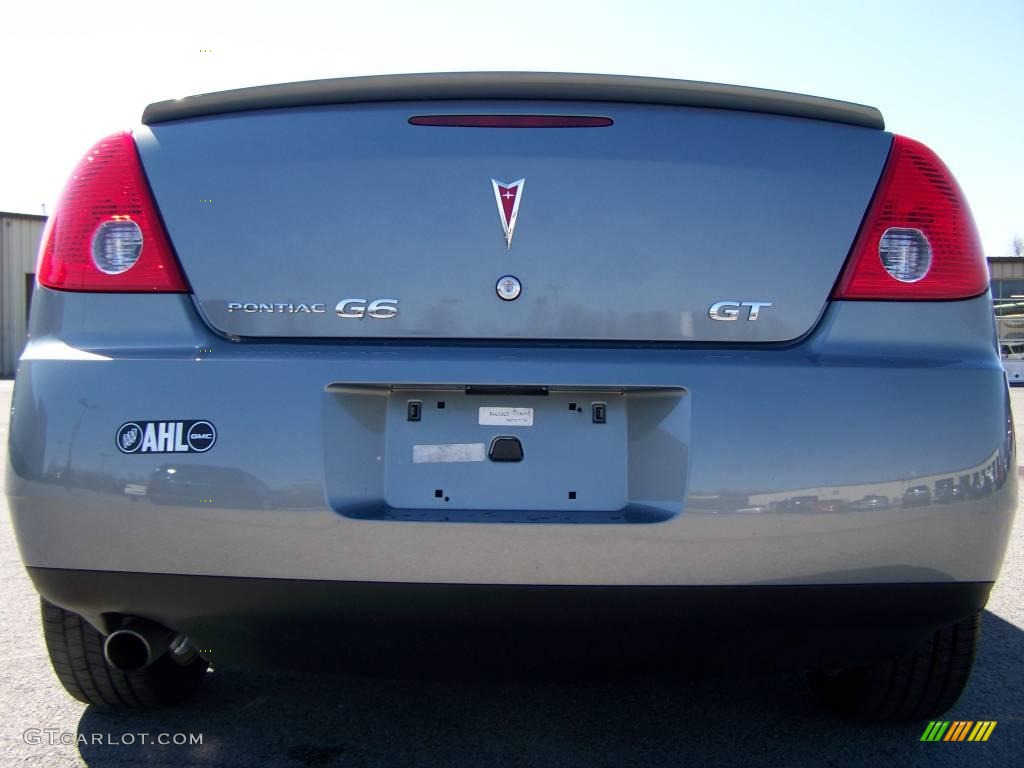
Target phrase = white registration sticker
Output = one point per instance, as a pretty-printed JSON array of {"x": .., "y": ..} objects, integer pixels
[
  {"x": 506, "y": 417},
  {"x": 448, "y": 453}
]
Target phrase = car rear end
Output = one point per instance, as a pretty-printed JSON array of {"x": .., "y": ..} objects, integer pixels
[{"x": 514, "y": 352}]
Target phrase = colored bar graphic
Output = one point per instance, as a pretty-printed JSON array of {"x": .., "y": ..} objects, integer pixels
[
  {"x": 935, "y": 730},
  {"x": 958, "y": 730},
  {"x": 982, "y": 730}
]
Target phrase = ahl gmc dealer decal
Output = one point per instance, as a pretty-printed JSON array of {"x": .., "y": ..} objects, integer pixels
[{"x": 166, "y": 437}]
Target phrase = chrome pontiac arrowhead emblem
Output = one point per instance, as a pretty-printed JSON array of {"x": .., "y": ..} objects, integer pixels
[{"x": 508, "y": 196}]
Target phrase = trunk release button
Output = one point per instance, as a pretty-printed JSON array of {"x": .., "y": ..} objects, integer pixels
[{"x": 505, "y": 448}]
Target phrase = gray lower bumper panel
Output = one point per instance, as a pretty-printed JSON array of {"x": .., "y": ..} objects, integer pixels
[{"x": 430, "y": 626}]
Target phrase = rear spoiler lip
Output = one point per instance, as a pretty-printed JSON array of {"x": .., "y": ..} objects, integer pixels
[{"x": 531, "y": 86}]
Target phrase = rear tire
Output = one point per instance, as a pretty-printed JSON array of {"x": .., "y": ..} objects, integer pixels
[
  {"x": 919, "y": 686},
  {"x": 76, "y": 653}
]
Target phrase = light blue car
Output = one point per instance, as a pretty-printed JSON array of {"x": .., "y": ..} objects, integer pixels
[{"x": 475, "y": 367}]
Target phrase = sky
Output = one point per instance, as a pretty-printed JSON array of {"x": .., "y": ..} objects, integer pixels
[{"x": 950, "y": 74}]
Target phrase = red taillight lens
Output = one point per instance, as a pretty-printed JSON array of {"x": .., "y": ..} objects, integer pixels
[
  {"x": 918, "y": 240},
  {"x": 105, "y": 234}
]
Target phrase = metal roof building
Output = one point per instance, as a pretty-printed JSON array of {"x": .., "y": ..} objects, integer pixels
[
  {"x": 1007, "y": 282},
  {"x": 20, "y": 234}
]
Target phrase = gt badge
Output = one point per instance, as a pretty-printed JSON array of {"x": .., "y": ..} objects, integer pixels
[
  {"x": 166, "y": 437},
  {"x": 508, "y": 196},
  {"x": 730, "y": 310}
]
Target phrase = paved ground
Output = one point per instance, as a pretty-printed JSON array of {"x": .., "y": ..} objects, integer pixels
[{"x": 288, "y": 719}]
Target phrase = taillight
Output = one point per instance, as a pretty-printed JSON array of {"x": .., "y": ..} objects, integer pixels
[
  {"x": 105, "y": 234},
  {"x": 918, "y": 240}
]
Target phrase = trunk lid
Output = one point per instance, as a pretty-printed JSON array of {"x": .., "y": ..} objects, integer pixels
[{"x": 624, "y": 233}]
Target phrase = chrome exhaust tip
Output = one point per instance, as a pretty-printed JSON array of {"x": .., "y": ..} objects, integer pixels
[{"x": 137, "y": 645}]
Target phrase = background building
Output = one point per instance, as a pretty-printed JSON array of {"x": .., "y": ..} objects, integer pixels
[
  {"x": 1008, "y": 296},
  {"x": 20, "y": 234}
]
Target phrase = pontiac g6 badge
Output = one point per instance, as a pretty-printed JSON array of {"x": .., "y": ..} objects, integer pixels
[
  {"x": 379, "y": 309},
  {"x": 508, "y": 196}
]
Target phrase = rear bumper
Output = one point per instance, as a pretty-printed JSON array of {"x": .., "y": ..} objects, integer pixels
[
  {"x": 761, "y": 443},
  {"x": 277, "y": 621}
]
